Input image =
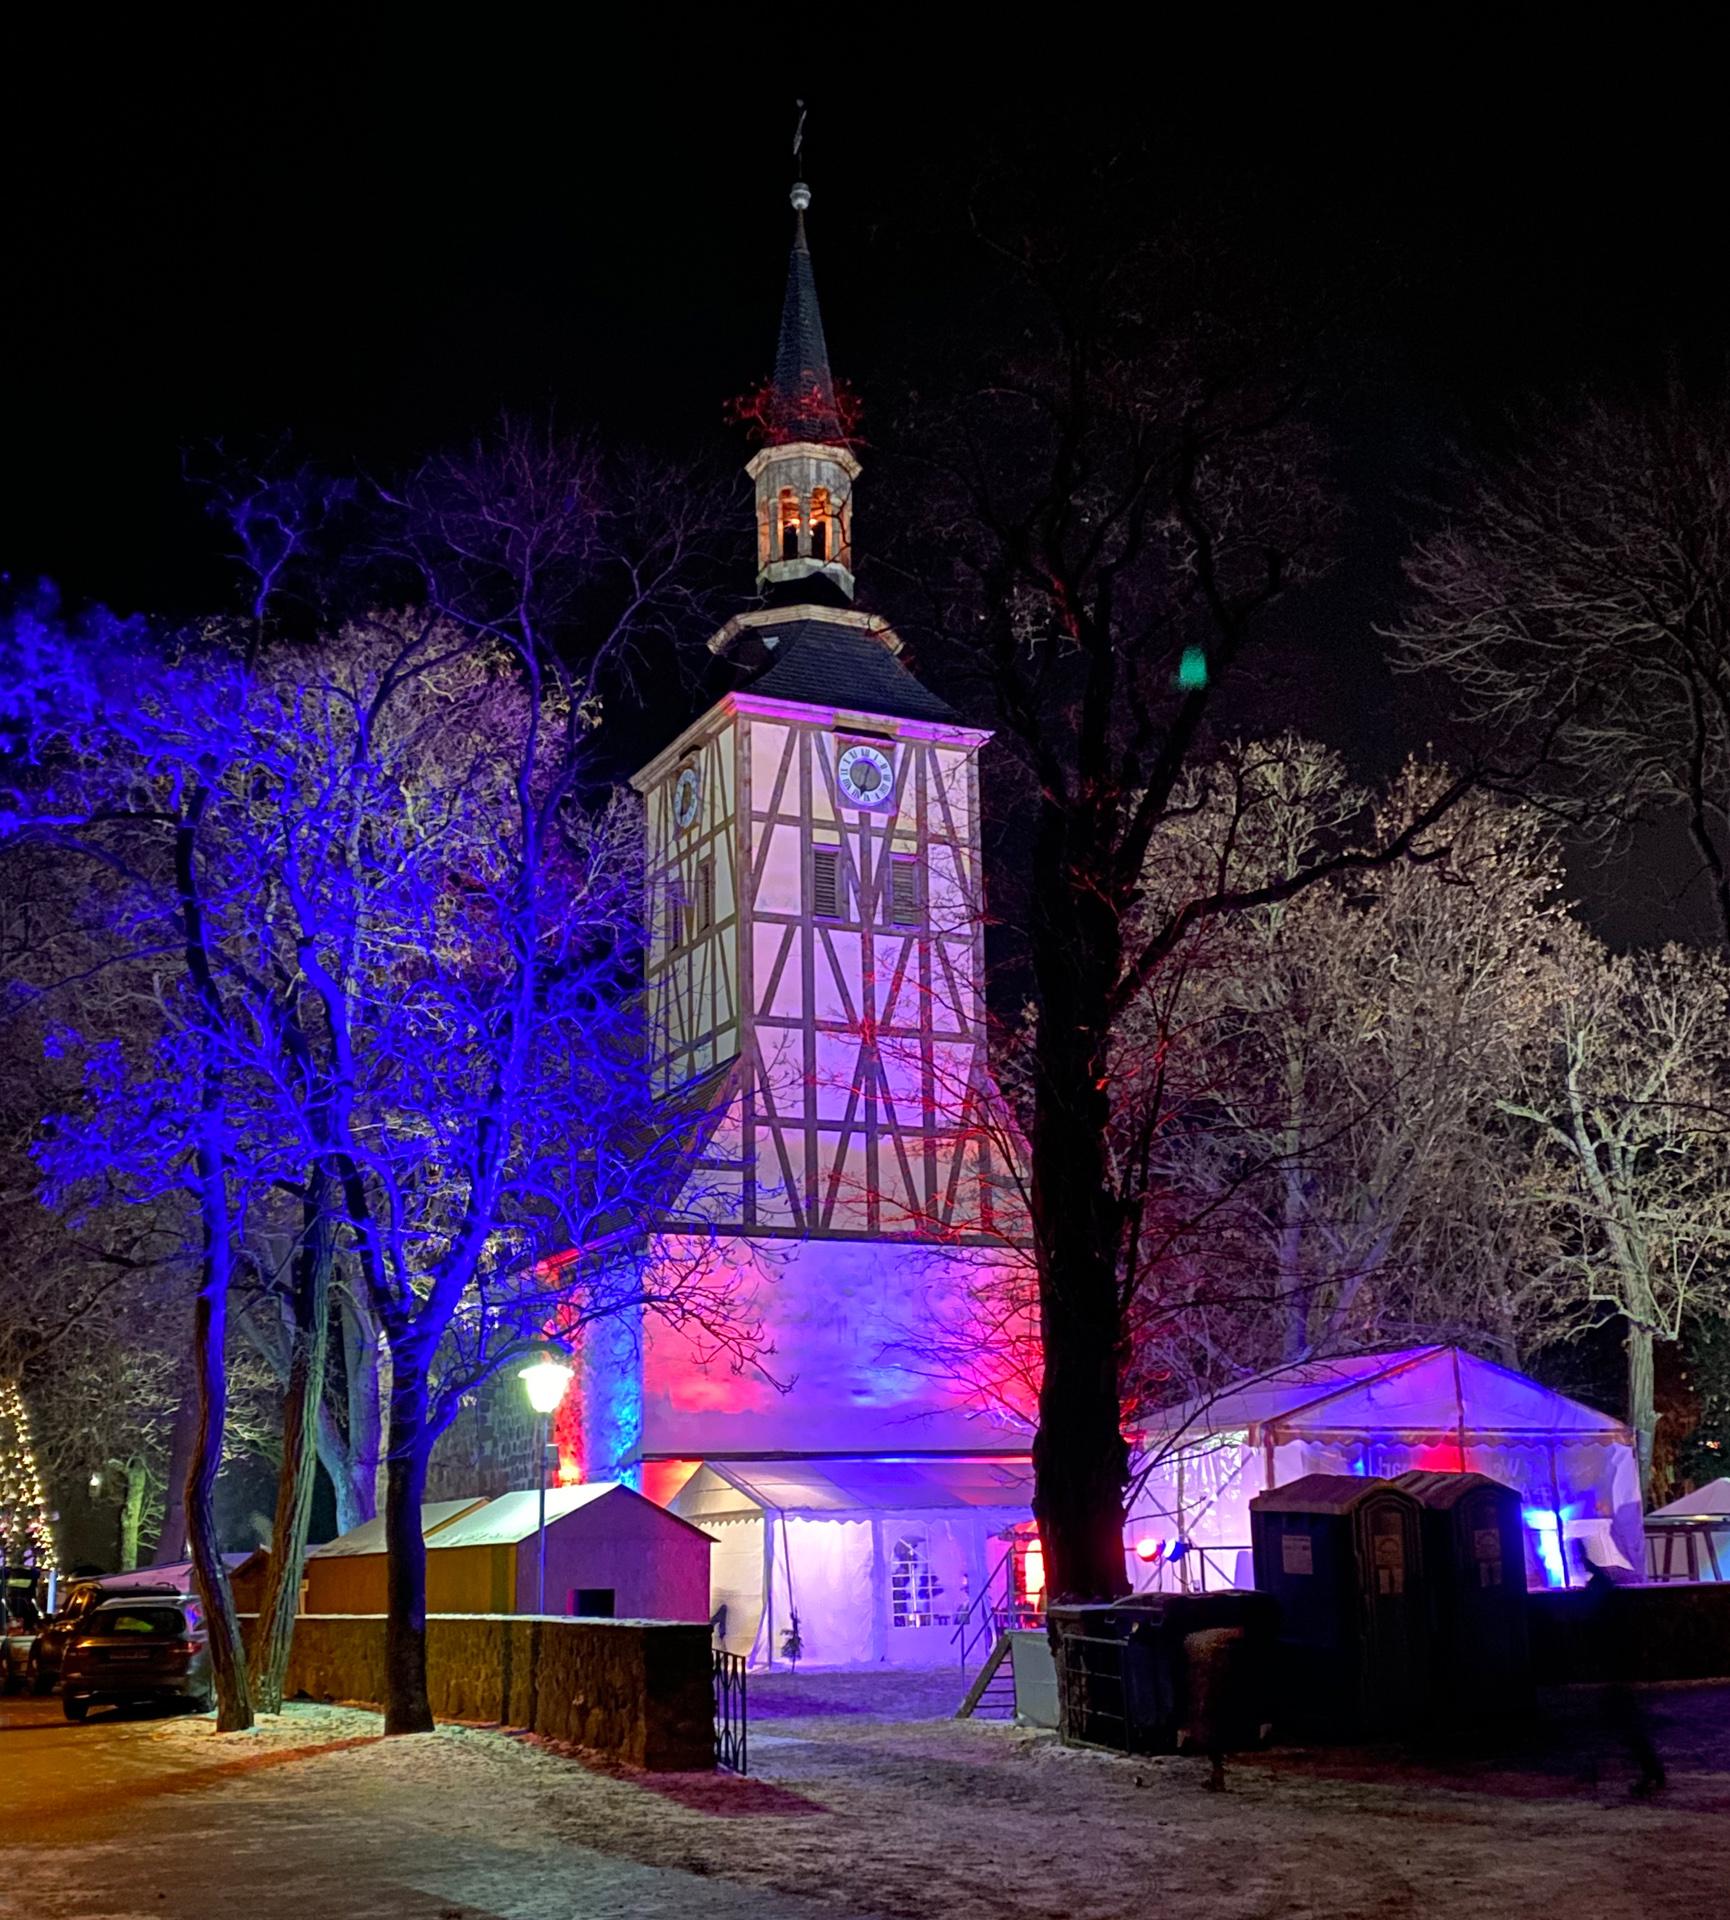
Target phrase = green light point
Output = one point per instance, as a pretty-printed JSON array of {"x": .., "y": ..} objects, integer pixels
[{"x": 1192, "y": 670}]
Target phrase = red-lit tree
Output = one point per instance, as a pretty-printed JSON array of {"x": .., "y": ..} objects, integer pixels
[{"x": 1104, "y": 506}]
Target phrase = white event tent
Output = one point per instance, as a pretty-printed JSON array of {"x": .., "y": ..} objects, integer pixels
[
  {"x": 1433, "y": 1408},
  {"x": 875, "y": 1557},
  {"x": 1690, "y": 1538}
]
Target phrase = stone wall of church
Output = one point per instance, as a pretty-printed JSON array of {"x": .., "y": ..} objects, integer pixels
[{"x": 489, "y": 1448}]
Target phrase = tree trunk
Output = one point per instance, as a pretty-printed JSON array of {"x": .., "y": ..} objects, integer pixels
[
  {"x": 170, "y": 1547},
  {"x": 209, "y": 1347},
  {"x": 1080, "y": 1462},
  {"x": 276, "y": 1614},
  {"x": 131, "y": 1510},
  {"x": 1642, "y": 1402},
  {"x": 364, "y": 1355},
  {"x": 407, "y": 1706}
]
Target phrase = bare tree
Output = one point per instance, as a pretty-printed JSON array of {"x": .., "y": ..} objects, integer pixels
[
  {"x": 1111, "y": 502},
  {"x": 1330, "y": 1065},
  {"x": 1632, "y": 1164},
  {"x": 1579, "y": 597}
]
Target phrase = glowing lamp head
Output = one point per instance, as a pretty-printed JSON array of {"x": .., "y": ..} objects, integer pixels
[
  {"x": 546, "y": 1381},
  {"x": 1149, "y": 1550},
  {"x": 1033, "y": 1570}
]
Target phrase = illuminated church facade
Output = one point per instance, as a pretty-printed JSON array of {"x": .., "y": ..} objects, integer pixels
[{"x": 815, "y": 982}]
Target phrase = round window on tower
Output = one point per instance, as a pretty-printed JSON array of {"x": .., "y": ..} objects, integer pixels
[
  {"x": 687, "y": 792},
  {"x": 867, "y": 776}
]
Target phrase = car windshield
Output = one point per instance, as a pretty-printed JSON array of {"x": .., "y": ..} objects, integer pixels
[{"x": 159, "y": 1622}]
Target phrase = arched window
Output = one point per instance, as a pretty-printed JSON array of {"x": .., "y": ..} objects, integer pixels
[
  {"x": 789, "y": 524},
  {"x": 913, "y": 1588},
  {"x": 820, "y": 523}
]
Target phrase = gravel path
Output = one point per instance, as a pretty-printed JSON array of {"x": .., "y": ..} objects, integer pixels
[{"x": 850, "y": 1814}]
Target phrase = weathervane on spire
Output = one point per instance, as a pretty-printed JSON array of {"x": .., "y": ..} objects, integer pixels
[{"x": 801, "y": 194}]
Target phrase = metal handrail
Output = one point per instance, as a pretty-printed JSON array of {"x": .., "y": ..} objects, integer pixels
[{"x": 732, "y": 1716}]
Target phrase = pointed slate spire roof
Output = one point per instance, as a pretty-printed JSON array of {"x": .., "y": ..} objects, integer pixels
[{"x": 804, "y": 388}]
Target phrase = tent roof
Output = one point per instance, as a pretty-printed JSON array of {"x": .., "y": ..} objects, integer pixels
[
  {"x": 368, "y": 1537},
  {"x": 720, "y": 1488},
  {"x": 1710, "y": 1502},
  {"x": 1417, "y": 1390}
]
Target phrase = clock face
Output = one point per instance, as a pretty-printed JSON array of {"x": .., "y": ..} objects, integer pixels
[
  {"x": 866, "y": 775},
  {"x": 687, "y": 791}
]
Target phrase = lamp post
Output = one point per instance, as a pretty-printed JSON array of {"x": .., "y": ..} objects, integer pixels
[{"x": 546, "y": 1381}]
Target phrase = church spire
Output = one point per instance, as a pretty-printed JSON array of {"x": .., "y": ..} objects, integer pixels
[
  {"x": 805, "y": 475},
  {"x": 803, "y": 404}
]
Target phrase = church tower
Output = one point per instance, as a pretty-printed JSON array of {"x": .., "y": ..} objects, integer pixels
[
  {"x": 814, "y": 979},
  {"x": 815, "y": 851}
]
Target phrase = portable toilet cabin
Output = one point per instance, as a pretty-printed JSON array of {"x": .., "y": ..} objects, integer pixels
[
  {"x": 1344, "y": 1558},
  {"x": 608, "y": 1552},
  {"x": 1475, "y": 1581}
]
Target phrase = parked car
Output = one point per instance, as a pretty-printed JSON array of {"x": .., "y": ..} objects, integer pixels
[
  {"x": 57, "y": 1634},
  {"x": 20, "y": 1620},
  {"x": 128, "y": 1648}
]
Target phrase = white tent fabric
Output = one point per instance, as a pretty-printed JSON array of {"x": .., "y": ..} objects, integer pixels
[
  {"x": 1710, "y": 1502},
  {"x": 1682, "y": 1541},
  {"x": 1431, "y": 1408},
  {"x": 874, "y": 1557}
]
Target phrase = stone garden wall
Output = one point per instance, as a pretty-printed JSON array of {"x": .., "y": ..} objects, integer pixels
[{"x": 639, "y": 1691}]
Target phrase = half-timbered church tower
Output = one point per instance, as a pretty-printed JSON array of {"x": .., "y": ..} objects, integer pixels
[{"x": 815, "y": 982}]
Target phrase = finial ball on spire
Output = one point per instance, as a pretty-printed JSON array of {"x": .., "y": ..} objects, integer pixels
[{"x": 800, "y": 196}]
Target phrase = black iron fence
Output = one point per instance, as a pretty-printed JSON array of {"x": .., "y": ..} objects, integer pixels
[
  {"x": 732, "y": 1731},
  {"x": 1091, "y": 1692}
]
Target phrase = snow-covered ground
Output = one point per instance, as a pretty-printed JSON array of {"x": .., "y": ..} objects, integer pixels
[{"x": 852, "y": 1810}]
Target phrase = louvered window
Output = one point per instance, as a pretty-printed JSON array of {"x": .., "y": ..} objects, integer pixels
[
  {"x": 705, "y": 902},
  {"x": 675, "y": 914},
  {"x": 826, "y": 882},
  {"x": 903, "y": 890}
]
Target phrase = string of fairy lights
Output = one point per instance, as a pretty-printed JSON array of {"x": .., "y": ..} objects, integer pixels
[{"x": 26, "y": 1536}]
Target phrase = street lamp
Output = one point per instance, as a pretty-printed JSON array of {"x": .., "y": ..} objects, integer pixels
[{"x": 546, "y": 1380}]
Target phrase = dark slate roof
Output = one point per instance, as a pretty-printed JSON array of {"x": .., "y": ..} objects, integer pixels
[
  {"x": 826, "y": 664},
  {"x": 804, "y": 387}
]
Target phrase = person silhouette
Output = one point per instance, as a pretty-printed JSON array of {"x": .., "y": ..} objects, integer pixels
[{"x": 1611, "y": 1652}]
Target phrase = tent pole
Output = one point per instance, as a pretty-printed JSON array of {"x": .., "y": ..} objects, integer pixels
[
  {"x": 1459, "y": 1409},
  {"x": 1556, "y": 1509}
]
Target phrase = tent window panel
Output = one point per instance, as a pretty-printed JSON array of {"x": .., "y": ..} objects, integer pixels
[
  {"x": 913, "y": 1587},
  {"x": 826, "y": 882}
]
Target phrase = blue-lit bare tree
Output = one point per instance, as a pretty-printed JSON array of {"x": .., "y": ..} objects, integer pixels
[{"x": 394, "y": 982}]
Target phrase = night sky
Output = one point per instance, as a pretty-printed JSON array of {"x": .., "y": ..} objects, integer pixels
[{"x": 375, "y": 237}]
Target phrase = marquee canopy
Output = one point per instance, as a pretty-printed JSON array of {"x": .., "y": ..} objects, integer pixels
[
  {"x": 1427, "y": 1394},
  {"x": 1432, "y": 1409}
]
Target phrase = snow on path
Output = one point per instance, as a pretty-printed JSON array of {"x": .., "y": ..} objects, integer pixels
[{"x": 852, "y": 1815}]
